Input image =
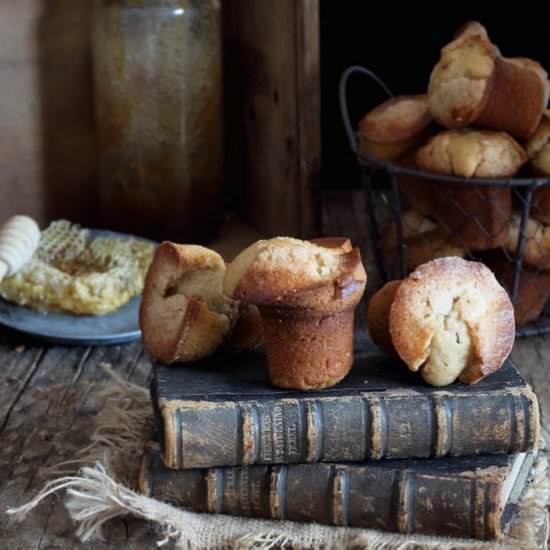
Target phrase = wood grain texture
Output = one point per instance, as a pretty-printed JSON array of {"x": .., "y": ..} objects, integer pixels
[
  {"x": 47, "y": 145},
  {"x": 274, "y": 113},
  {"x": 50, "y": 412}
]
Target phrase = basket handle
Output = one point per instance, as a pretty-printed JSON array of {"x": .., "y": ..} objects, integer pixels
[{"x": 343, "y": 98}]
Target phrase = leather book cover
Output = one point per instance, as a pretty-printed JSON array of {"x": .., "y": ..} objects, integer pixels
[
  {"x": 223, "y": 412},
  {"x": 463, "y": 497}
]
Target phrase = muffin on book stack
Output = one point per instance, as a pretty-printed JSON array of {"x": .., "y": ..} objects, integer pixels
[{"x": 302, "y": 430}]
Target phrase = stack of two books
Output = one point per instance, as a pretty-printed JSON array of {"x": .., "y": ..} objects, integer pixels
[{"x": 380, "y": 450}]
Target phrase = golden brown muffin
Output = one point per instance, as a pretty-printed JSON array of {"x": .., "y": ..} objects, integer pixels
[
  {"x": 537, "y": 68},
  {"x": 538, "y": 146},
  {"x": 451, "y": 319},
  {"x": 306, "y": 295},
  {"x": 185, "y": 315},
  {"x": 536, "y": 252},
  {"x": 461, "y": 81},
  {"x": 538, "y": 150},
  {"x": 533, "y": 288},
  {"x": 378, "y": 317},
  {"x": 472, "y": 28},
  {"x": 342, "y": 243},
  {"x": 473, "y": 85},
  {"x": 518, "y": 98},
  {"x": 425, "y": 241},
  {"x": 472, "y": 154},
  {"x": 476, "y": 217},
  {"x": 248, "y": 331},
  {"x": 395, "y": 127},
  {"x": 416, "y": 192}
]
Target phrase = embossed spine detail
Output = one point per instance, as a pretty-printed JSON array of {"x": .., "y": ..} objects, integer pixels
[
  {"x": 526, "y": 422},
  {"x": 531, "y": 422},
  {"x": 379, "y": 428},
  {"x": 245, "y": 500},
  {"x": 250, "y": 432},
  {"x": 278, "y": 433},
  {"x": 367, "y": 428},
  {"x": 477, "y": 507},
  {"x": 405, "y": 508},
  {"x": 294, "y": 433},
  {"x": 277, "y": 492},
  {"x": 177, "y": 440},
  {"x": 340, "y": 497},
  {"x": 314, "y": 431},
  {"x": 442, "y": 426},
  {"x": 516, "y": 413},
  {"x": 214, "y": 488},
  {"x": 484, "y": 509}
]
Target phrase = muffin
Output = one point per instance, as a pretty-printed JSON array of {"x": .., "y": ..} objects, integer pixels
[
  {"x": 378, "y": 317},
  {"x": 184, "y": 314},
  {"x": 475, "y": 217},
  {"x": 473, "y": 85},
  {"x": 306, "y": 294},
  {"x": 537, "y": 69},
  {"x": 395, "y": 127},
  {"x": 472, "y": 154},
  {"x": 533, "y": 287},
  {"x": 452, "y": 319},
  {"x": 538, "y": 151},
  {"x": 472, "y": 28},
  {"x": 416, "y": 192},
  {"x": 536, "y": 252},
  {"x": 424, "y": 239}
]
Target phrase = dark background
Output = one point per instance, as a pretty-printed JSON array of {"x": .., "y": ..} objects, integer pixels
[{"x": 401, "y": 43}]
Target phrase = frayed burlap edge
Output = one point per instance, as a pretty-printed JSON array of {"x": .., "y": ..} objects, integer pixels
[{"x": 105, "y": 487}]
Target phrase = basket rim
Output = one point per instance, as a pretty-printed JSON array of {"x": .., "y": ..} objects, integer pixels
[{"x": 535, "y": 182}]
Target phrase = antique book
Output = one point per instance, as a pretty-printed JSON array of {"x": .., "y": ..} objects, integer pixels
[
  {"x": 466, "y": 497},
  {"x": 223, "y": 412}
]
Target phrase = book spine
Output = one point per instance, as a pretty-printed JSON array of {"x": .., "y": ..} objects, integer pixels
[
  {"x": 392, "y": 499},
  {"x": 202, "y": 434}
]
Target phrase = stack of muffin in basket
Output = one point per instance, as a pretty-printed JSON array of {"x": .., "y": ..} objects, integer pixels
[{"x": 483, "y": 117}]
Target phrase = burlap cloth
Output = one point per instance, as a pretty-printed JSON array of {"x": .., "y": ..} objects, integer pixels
[{"x": 104, "y": 486}]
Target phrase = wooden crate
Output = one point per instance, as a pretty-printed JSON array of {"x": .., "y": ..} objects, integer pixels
[{"x": 273, "y": 113}]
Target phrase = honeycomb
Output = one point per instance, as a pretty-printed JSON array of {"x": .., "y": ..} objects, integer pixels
[{"x": 73, "y": 271}]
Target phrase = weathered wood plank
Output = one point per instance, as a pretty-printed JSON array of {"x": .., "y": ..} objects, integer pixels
[
  {"x": 308, "y": 111},
  {"x": 274, "y": 112},
  {"x": 49, "y": 423},
  {"x": 17, "y": 374}
]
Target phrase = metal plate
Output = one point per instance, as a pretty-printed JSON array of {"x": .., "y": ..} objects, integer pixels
[{"x": 64, "y": 328}]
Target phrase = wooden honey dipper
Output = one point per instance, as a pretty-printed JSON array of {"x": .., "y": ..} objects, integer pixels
[{"x": 19, "y": 237}]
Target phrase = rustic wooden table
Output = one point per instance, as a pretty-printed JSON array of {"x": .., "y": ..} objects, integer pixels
[{"x": 49, "y": 399}]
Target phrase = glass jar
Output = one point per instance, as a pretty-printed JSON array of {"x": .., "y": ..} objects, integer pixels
[{"x": 158, "y": 97}]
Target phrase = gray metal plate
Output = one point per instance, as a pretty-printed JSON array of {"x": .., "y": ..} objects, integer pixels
[{"x": 64, "y": 328}]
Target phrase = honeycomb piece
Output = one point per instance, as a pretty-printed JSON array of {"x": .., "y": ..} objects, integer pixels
[{"x": 74, "y": 272}]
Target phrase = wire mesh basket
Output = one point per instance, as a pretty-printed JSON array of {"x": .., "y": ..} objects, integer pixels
[{"x": 416, "y": 216}]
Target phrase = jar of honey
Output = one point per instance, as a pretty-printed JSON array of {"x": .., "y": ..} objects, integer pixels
[{"x": 158, "y": 99}]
